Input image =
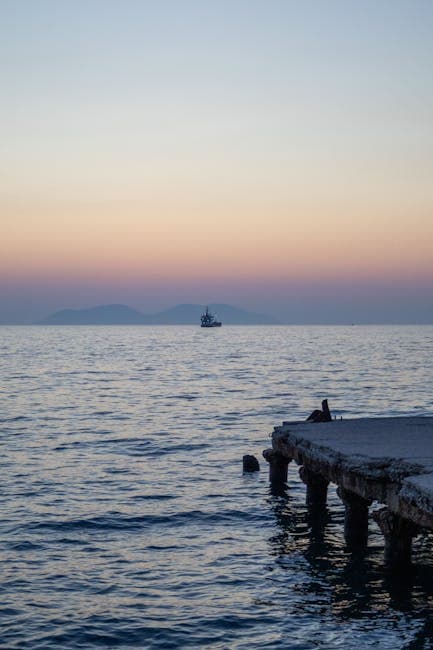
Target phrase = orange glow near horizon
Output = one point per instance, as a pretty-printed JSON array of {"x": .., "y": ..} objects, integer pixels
[{"x": 245, "y": 240}]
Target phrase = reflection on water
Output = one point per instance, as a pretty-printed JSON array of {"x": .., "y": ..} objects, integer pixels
[
  {"x": 126, "y": 521},
  {"x": 350, "y": 586}
]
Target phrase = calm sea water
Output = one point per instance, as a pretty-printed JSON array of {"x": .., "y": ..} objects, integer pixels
[{"x": 126, "y": 521}]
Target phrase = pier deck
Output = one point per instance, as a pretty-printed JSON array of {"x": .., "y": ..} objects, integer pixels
[{"x": 388, "y": 460}]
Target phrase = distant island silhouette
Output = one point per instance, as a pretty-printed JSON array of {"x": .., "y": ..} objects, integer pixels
[{"x": 185, "y": 314}]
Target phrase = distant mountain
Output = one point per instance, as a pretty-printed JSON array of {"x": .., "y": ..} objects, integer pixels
[
  {"x": 179, "y": 315},
  {"x": 102, "y": 315}
]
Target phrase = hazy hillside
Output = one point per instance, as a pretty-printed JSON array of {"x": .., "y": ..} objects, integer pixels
[
  {"x": 101, "y": 315},
  {"x": 187, "y": 314}
]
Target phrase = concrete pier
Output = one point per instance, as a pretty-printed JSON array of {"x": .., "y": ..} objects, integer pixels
[{"x": 383, "y": 460}]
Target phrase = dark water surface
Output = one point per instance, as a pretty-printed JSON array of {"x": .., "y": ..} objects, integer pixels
[{"x": 126, "y": 521}]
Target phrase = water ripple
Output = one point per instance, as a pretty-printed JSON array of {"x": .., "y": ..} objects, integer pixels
[{"x": 126, "y": 520}]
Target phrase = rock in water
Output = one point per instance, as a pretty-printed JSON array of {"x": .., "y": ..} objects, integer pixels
[{"x": 250, "y": 463}]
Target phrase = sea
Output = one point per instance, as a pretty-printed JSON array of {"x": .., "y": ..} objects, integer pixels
[{"x": 126, "y": 520}]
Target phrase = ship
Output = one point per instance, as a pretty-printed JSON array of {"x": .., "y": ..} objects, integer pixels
[{"x": 209, "y": 320}]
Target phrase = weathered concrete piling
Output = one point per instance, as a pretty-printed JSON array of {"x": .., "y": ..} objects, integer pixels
[
  {"x": 317, "y": 487},
  {"x": 355, "y": 517},
  {"x": 383, "y": 460},
  {"x": 278, "y": 466},
  {"x": 398, "y": 533}
]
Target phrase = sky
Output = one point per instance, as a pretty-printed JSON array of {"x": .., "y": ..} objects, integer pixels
[{"x": 276, "y": 155}]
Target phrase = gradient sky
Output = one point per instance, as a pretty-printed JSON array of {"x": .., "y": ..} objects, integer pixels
[{"x": 277, "y": 155}]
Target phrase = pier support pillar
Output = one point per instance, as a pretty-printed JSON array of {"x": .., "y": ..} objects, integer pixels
[
  {"x": 317, "y": 487},
  {"x": 278, "y": 466},
  {"x": 355, "y": 518},
  {"x": 398, "y": 533}
]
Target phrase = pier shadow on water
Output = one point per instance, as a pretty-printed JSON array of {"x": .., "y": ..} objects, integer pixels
[{"x": 348, "y": 591}]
